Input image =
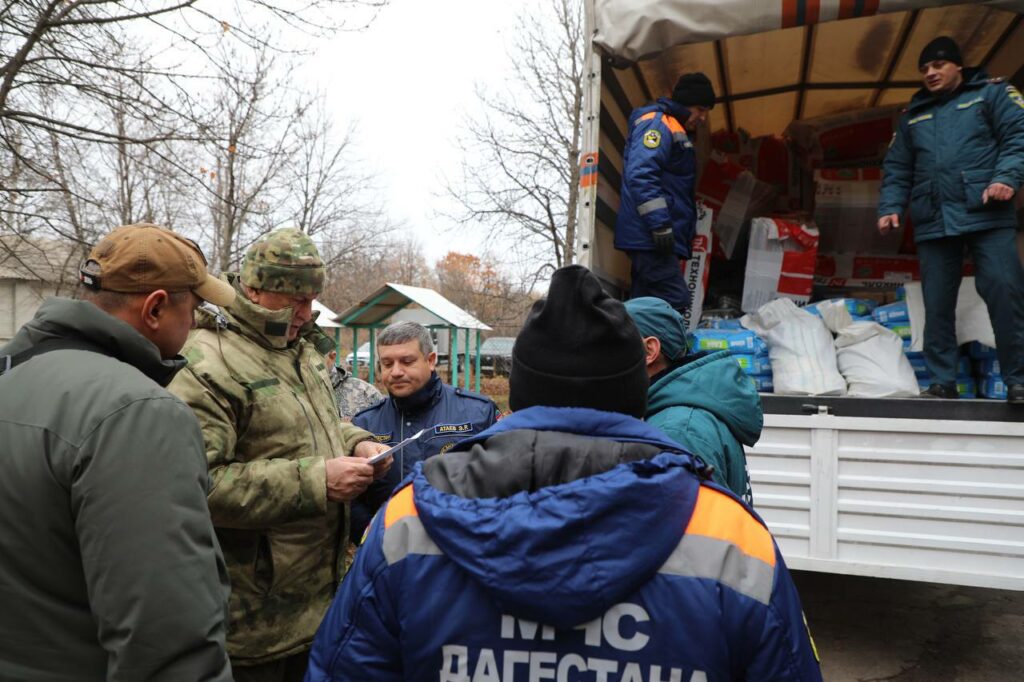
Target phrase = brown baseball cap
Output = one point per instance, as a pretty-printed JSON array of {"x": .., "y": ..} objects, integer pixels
[{"x": 141, "y": 258}]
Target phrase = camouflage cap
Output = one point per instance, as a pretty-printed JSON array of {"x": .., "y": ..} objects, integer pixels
[{"x": 286, "y": 261}]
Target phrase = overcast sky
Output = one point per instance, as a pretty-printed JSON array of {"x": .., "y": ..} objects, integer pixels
[{"x": 406, "y": 80}]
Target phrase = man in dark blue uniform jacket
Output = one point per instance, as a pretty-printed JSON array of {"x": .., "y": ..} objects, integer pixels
[
  {"x": 570, "y": 541},
  {"x": 658, "y": 215},
  {"x": 957, "y": 159},
  {"x": 417, "y": 399}
]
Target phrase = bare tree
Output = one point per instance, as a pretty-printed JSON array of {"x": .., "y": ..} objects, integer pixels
[
  {"x": 72, "y": 72},
  {"x": 480, "y": 286},
  {"x": 331, "y": 196},
  {"x": 393, "y": 259},
  {"x": 521, "y": 173}
]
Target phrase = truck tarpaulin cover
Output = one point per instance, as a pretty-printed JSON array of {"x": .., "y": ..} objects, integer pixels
[
  {"x": 632, "y": 29},
  {"x": 775, "y": 61}
]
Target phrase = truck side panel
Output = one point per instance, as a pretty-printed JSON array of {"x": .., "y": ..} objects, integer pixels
[{"x": 939, "y": 501}]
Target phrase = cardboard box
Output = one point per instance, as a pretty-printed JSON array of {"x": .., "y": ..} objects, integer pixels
[
  {"x": 852, "y": 138},
  {"x": 846, "y": 212},
  {"x": 734, "y": 195},
  {"x": 868, "y": 272},
  {"x": 780, "y": 262}
]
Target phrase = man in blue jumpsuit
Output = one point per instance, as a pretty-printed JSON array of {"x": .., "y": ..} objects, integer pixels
[
  {"x": 657, "y": 215},
  {"x": 570, "y": 541},
  {"x": 417, "y": 399},
  {"x": 957, "y": 158}
]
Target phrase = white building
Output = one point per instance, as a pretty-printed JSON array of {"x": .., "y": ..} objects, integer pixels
[{"x": 32, "y": 270}]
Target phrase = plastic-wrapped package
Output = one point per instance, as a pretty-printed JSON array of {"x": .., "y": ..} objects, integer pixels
[
  {"x": 869, "y": 356},
  {"x": 802, "y": 355}
]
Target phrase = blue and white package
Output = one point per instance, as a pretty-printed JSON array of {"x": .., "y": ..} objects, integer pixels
[
  {"x": 735, "y": 341},
  {"x": 901, "y": 330},
  {"x": 920, "y": 366},
  {"x": 857, "y": 307},
  {"x": 754, "y": 364},
  {"x": 992, "y": 387},
  {"x": 892, "y": 313},
  {"x": 763, "y": 383},
  {"x": 980, "y": 351}
]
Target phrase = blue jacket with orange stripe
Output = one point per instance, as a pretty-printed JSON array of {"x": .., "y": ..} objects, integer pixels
[
  {"x": 658, "y": 179},
  {"x": 568, "y": 544}
]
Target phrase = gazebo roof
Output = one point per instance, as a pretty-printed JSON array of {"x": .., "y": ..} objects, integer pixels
[{"x": 380, "y": 305}]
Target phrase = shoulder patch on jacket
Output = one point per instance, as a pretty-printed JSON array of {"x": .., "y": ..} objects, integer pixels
[
  {"x": 921, "y": 118},
  {"x": 652, "y": 139},
  {"x": 997, "y": 79},
  {"x": 1014, "y": 94}
]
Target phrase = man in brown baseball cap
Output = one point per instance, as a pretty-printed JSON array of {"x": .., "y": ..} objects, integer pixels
[{"x": 99, "y": 458}]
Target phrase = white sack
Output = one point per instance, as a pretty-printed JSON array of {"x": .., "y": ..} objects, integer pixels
[
  {"x": 799, "y": 347},
  {"x": 870, "y": 357}
]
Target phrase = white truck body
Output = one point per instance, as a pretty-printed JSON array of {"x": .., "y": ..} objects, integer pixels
[{"x": 887, "y": 488}]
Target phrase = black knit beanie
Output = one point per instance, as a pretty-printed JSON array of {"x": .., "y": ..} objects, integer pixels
[
  {"x": 694, "y": 88},
  {"x": 944, "y": 48},
  {"x": 579, "y": 348}
]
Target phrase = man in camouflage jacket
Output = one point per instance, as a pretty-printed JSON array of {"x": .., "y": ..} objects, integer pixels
[
  {"x": 280, "y": 460},
  {"x": 350, "y": 392}
]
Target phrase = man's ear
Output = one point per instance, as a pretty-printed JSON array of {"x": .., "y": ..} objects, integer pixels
[
  {"x": 432, "y": 361},
  {"x": 152, "y": 309},
  {"x": 652, "y": 349}
]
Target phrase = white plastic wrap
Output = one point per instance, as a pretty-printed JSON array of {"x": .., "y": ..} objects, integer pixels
[
  {"x": 869, "y": 356},
  {"x": 800, "y": 348}
]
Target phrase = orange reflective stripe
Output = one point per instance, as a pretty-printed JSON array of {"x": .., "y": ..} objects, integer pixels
[
  {"x": 719, "y": 516},
  {"x": 400, "y": 506},
  {"x": 673, "y": 124},
  {"x": 646, "y": 117}
]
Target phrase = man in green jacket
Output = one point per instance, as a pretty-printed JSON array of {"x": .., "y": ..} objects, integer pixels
[
  {"x": 109, "y": 566},
  {"x": 957, "y": 161},
  {"x": 705, "y": 403},
  {"x": 280, "y": 460}
]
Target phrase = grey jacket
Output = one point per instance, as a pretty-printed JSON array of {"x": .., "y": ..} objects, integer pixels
[{"x": 109, "y": 567}]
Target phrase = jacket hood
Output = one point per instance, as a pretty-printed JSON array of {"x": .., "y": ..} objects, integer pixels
[
  {"x": 544, "y": 509},
  {"x": 974, "y": 77},
  {"x": 678, "y": 111},
  {"x": 66, "y": 318},
  {"x": 715, "y": 383},
  {"x": 269, "y": 328}
]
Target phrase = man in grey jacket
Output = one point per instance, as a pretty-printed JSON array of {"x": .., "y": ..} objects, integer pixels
[{"x": 109, "y": 567}]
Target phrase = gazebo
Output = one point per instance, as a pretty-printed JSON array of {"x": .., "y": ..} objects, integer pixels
[
  {"x": 326, "y": 321},
  {"x": 376, "y": 311}
]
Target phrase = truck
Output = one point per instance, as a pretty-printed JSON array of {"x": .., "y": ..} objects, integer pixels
[{"x": 892, "y": 488}]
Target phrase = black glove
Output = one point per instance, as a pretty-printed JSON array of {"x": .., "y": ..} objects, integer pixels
[{"x": 664, "y": 241}]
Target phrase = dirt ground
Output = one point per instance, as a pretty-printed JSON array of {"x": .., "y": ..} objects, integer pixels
[{"x": 875, "y": 630}]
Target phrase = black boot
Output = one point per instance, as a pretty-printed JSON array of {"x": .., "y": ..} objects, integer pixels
[
  {"x": 942, "y": 391},
  {"x": 1015, "y": 394}
]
